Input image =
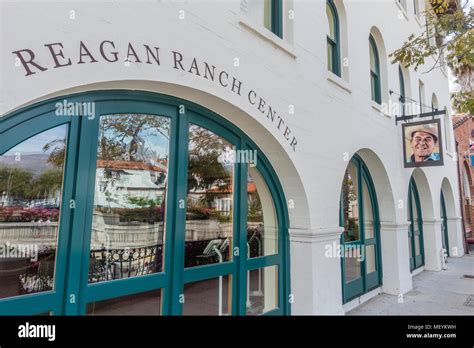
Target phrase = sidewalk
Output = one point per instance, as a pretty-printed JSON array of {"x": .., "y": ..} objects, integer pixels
[{"x": 434, "y": 293}]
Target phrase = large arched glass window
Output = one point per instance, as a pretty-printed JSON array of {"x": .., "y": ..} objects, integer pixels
[
  {"x": 415, "y": 231},
  {"x": 333, "y": 39},
  {"x": 361, "y": 259},
  {"x": 402, "y": 90},
  {"x": 178, "y": 212},
  {"x": 375, "y": 84}
]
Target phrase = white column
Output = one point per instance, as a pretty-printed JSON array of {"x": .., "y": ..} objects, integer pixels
[
  {"x": 455, "y": 237},
  {"x": 395, "y": 258},
  {"x": 432, "y": 244},
  {"x": 316, "y": 271}
]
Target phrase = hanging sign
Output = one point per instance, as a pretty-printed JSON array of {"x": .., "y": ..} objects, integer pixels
[{"x": 422, "y": 144}]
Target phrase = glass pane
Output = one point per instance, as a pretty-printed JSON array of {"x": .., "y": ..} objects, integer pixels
[
  {"x": 208, "y": 297},
  {"x": 368, "y": 213},
  {"x": 410, "y": 246},
  {"x": 373, "y": 58},
  {"x": 370, "y": 259},
  {"x": 332, "y": 24},
  {"x": 262, "y": 290},
  {"x": 373, "y": 87},
  {"x": 330, "y": 57},
  {"x": 145, "y": 303},
  {"x": 352, "y": 261},
  {"x": 209, "y": 208},
  {"x": 417, "y": 245},
  {"x": 31, "y": 180},
  {"x": 262, "y": 225},
  {"x": 130, "y": 195},
  {"x": 350, "y": 204},
  {"x": 259, "y": 11}
]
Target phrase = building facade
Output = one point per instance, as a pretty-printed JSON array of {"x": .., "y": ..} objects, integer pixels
[
  {"x": 216, "y": 157},
  {"x": 463, "y": 133}
]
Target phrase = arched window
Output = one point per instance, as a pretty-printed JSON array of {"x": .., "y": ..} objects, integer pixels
[
  {"x": 333, "y": 39},
  {"x": 361, "y": 260},
  {"x": 375, "y": 83},
  {"x": 402, "y": 90},
  {"x": 169, "y": 193},
  {"x": 415, "y": 231},
  {"x": 444, "y": 225}
]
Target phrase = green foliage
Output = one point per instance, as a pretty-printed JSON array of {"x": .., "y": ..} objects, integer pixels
[
  {"x": 22, "y": 184},
  {"x": 449, "y": 29}
]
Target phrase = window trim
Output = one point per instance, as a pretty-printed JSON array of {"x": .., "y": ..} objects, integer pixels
[
  {"x": 375, "y": 74},
  {"x": 402, "y": 98},
  {"x": 335, "y": 45}
]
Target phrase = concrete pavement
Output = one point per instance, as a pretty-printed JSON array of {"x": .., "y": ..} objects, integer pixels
[{"x": 446, "y": 292}]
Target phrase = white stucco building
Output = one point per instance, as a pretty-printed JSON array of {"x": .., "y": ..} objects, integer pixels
[{"x": 265, "y": 70}]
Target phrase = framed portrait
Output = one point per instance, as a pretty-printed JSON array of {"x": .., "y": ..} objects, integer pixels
[{"x": 422, "y": 144}]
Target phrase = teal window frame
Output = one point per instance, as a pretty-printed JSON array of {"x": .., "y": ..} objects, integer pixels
[
  {"x": 375, "y": 75},
  {"x": 334, "y": 45},
  {"x": 416, "y": 261},
  {"x": 276, "y": 16},
  {"x": 402, "y": 90},
  {"x": 444, "y": 218},
  {"x": 75, "y": 228},
  {"x": 366, "y": 282}
]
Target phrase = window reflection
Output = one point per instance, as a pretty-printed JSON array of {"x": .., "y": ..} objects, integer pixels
[
  {"x": 31, "y": 177},
  {"x": 262, "y": 290},
  {"x": 209, "y": 210},
  {"x": 262, "y": 227},
  {"x": 130, "y": 196},
  {"x": 350, "y": 204},
  {"x": 208, "y": 297},
  {"x": 145, "y": 303}
]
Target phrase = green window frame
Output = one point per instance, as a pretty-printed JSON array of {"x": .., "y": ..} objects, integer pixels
[
  {"x": 276, "y": 15},
  {"x": 375, "y": 83},
  {"x": 80, "y": 171},
  {"x": 367, "y": 281},
  {"x": 414, "y": 235},
  {"x": 333, "y": 43},
  {"x": 444, "y": 218},
  {"x": 402, "y": 90}
]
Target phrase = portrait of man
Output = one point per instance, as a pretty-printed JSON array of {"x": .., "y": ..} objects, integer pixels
[{"x": 422, "y": 144}]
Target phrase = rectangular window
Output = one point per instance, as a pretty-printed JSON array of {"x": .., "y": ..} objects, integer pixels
[
  {"x": 208, "y": 297},
  {"x": 145, "y": 303},
  {"x": 262, "y": 290},
  {"x": 265, "y": 12},
  {"x": 128, "y": 225}
]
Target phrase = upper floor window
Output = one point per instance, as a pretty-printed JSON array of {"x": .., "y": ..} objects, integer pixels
[
  {"x": 421, "y": 95},
  {"x": 402, "y": 90},
  {"x": 333, "y": 45},
  {"x": 375, "y": 71},
  {"x": 265, "y": 12}
]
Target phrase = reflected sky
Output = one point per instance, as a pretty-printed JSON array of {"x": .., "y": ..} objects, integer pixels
[{"x": 34, "y": 145}]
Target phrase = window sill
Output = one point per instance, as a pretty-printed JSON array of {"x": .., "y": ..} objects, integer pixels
[
  {"x": 402, "y": 9},
  {"x": 338, "y": 81},
  {"x": 377, "y": 107},
  {"x": 268, "y": 35}
]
